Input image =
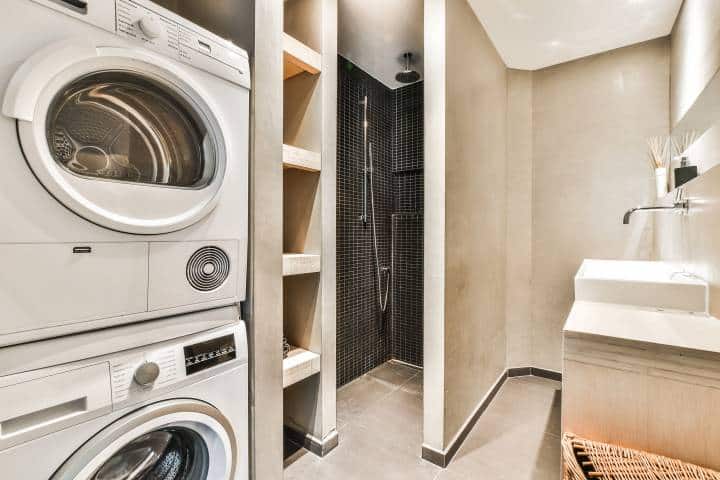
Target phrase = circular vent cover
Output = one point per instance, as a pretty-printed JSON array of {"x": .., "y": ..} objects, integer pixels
[{"x": 208, "y": 268}]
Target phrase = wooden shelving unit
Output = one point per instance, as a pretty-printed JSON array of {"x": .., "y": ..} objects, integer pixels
[
  {"x": 299, "y": 58},
  {"x": 300, "y": 263},
  {"x": 309, "y": 138},
  {"x": 299, "y": 365},
  {"x": 301, "y": 159}
]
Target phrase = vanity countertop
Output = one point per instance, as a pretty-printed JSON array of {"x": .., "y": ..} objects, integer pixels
[{"x": 675, "y": 329}]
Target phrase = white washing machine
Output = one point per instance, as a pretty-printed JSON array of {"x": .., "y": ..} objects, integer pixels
[
  {"x": 166, "y": 401},
  {"x": 123, "y": 186}
]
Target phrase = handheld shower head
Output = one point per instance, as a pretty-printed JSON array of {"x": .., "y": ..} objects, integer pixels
[{"x": 407, "y": 75}]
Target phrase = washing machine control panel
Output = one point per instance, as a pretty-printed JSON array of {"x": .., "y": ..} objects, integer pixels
[
  {"x": 139, "y": 375},
  {"x": 204, "y": 355},
  {"x": 135, "y": 376}
]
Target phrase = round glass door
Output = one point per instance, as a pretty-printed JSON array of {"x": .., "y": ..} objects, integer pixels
[
  {"x": 166, "y": 454},
  {"x": 171, "y": 440},
  {"x": 118, "y": 125},
  {"x": 126, "y": 139}
]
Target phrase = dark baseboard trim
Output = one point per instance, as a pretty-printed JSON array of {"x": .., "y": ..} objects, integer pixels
[
  {"x": 535, "y": 372},
  {"x": 519, "y": 371},
  {"x": 433, "y": 456},
  {"x": 314, "y": 445},
  {"x": 544, "y": 373},
  {"x": 442, "y": 459}
]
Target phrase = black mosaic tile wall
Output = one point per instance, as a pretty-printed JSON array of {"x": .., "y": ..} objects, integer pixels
[
  {"x": 409, "y": 139},
  {"x": 407, "y": 288},
  {"x": 362, "y": 332},
  {"x": 365, "y": 337},
  {"x": 407, "y": 226}
]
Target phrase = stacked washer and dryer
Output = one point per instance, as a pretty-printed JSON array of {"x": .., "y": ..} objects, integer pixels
[{"x": 123, "y": 250}]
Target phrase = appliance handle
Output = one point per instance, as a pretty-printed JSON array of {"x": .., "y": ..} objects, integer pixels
[
  {"x": 36, "y": 407},
  {"x": 43, "y": 418},
  {"x": 79, "y": 6}
]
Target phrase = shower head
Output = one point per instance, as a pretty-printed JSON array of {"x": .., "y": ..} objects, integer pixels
[{"x": 407, "y": 75}]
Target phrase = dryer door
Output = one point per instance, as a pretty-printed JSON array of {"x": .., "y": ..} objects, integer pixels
[
  {"x": 172, "y": 440},
  {"x": 122, "y": 137}
]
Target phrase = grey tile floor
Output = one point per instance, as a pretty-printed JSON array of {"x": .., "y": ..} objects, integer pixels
[{"x": 380, "y": 427}]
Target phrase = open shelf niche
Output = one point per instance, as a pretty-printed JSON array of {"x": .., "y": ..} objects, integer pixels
[
  {"x": 309, "y": 137},
  {"x": 301, "y": 159},
  {"x": 299, "y": 365},
  {"x": 299, "y": 58}
]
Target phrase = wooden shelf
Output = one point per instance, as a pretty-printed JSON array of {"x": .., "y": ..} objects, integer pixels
[
  {"x": 301, "y": 159},
  {"x": 300, "y": 263},
  {"x": 299, "y": 365},
  {"x": 299, "y": 58}
]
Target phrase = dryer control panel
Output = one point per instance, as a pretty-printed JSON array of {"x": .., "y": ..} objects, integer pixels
[{"x": 163, "y": 31}]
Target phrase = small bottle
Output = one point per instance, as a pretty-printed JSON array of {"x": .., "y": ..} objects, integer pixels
[{"x": 684, "y": 173}]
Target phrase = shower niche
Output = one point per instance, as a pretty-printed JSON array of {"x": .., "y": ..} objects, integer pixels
[{"x": 309, "y": 100}]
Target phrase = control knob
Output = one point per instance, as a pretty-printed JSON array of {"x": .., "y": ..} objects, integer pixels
[
  {"x": 146, "y": 374},
  {"x": 149, "y": 26}
]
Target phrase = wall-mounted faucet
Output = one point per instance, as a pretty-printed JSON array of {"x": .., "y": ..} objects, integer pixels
[{"x": 681, "y": 205}]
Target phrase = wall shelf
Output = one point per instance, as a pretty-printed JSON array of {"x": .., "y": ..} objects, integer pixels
[
  {"x": 300, "y": 263},
  {"x": 299, "y": 58},
  {"x": 299, "y": 365},
  {"x": 301, "y": 159}
]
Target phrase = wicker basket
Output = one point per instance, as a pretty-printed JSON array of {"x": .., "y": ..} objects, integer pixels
[{"x": 584, "y": 459}]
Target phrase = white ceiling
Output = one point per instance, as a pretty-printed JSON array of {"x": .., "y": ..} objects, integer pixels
[
  {"x": 374, "y": 34},
  {"x": 532, "y": 34}
]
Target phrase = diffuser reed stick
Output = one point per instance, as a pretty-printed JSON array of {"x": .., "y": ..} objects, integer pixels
[
  {"x": 658, "y": 151},
  {"x": 682, "y": 142}
]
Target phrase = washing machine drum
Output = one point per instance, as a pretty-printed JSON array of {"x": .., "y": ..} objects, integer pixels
[{"x": 168, "y": 454}]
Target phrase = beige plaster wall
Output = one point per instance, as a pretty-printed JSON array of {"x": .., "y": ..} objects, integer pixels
[
  {"x": 265, "y": 312},
  {"x": 695, "y": 53},
  {"x": 591, "y": 119},
  {"x": 475, "y": 215},
  {"x": 518, "y": 285},
  {"x": 434, "y": 226},
  {"x": 695, "y": 58},
  {"x": 518, "y": 170}
]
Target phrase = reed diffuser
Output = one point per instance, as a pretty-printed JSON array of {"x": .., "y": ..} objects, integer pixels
[{"x": 658, "y": 152}]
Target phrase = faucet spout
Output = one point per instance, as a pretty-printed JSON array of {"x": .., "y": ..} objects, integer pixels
[
  {"x": 681, "y": 207},
  {"x": 626, "y": 217}
]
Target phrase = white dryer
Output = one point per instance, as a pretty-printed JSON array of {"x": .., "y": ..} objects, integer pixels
[
  {"x": 167, "y": 400},
  {"x": 124, "y": 147}
]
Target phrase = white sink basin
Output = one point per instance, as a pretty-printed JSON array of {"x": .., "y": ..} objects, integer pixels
[{"x": 648, "y": 284}]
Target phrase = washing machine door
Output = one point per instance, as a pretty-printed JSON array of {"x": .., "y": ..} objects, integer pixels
[
  {"x": 125, "y": 138},
  {"x": 172, "y": 440}
]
